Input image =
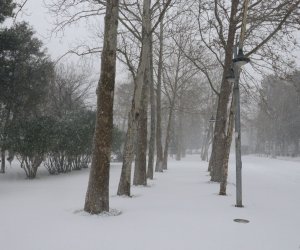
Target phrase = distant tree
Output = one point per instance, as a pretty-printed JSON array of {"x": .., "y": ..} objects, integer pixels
[
  {"x": 69, "y": 89},
  {"x": 277, "y": 121},
  {"x": 118, "y": 140}
]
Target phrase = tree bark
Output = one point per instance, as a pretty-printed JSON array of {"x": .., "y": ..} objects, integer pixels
[
  {"x": 140, "y": 169},
  {"x": 2, "y": 170},
  {"x": 97, "y": 196},
  {"x": 153, "y": 120},
  {"x": 128, "y": 154},
  {"x": 159, "y": 148},
  {"x": 223, "y": 183},
  {"x": 219, "y": 147}
]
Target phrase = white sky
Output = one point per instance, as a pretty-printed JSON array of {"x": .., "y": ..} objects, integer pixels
[{"x": 37, "y": 15}]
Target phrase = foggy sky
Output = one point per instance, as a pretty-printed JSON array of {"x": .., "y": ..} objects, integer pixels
[{"x": 37, "y": 15}]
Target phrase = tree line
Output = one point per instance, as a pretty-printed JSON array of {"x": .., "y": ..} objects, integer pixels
[
  {"x": 167, "y": 43},
  {"x": 278, "y": 121},
  {"x": 179, "y": 55}
]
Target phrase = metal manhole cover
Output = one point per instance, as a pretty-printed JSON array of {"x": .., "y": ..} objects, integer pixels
[{"x": 241, "y": 221}]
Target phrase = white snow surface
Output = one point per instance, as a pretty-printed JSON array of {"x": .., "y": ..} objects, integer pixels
[{"x": 179, "y": 210}]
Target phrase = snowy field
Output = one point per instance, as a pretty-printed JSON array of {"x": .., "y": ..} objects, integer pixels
[{"x": 180, "y": 210}]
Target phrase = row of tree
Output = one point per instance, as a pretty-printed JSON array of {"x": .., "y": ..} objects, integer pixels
[
  {"x": 278, "y": 120},
  {"x": 167, "y": 43},
  {"x": 171, "y": 49}
]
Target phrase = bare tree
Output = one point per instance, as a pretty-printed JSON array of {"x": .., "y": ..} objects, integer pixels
[
  {"x": 216, "y": 31},
  {"x": 137, "y": 104},
  {"x": 159, "y": 148},
  {"x": 97, "y": 196},
  {"x": 153, "y": 119},
  {"x": 178, "y": 72}
]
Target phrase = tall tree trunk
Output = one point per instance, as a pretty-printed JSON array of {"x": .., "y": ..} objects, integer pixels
[
  {"x": 125, "y": 179},
  {"x": 159, "y": 148},
  {"x": 140, "y": 169},
  {"x": 97, "y": 196},
  {"x": 219, "y": 147},
  {"x": 153, "y": 120},
  {"x": 2, "y": 170},
  {"x": 172, "y": 104}
]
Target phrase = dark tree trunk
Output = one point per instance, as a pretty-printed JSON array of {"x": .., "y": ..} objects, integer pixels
[
  {"x": 219, "y": 147},
  {"x": 97, "y": 196},
  {"x": 2, "y": 170}
]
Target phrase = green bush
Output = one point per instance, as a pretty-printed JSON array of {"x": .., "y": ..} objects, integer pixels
[{"x": 30, "y": 139}]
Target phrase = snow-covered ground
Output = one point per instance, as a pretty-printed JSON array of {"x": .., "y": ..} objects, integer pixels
[{"x": 179, "y": 210}]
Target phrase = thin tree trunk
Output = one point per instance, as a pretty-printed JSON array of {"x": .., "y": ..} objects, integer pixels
[
  {"x": 6, "y": 123},
  {"x": 219, "y": 147},
  {"x": 296, "y": 150},
  {"x": 2, "y": 170},
  {"x": 97, "y": 196},
  {"x": 168, "y": 136},
  {"x": 183, "y": 147},
  {"x": 205, "y": 145},
  {"x": 179, "y": 134},
  {"x": 172, "y": 104},
  {"x": 153, "y": 120},
  {"x": 159, "y": 148},
  {"x": 128, "y": 154}
]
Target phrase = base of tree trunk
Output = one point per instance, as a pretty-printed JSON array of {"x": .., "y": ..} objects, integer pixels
[
  {"x": 124, "y": 189},
  {"x": 2, "y": 169},
  {"x": 158, "y": 166},
  {"x": 241, "y": 206},
  {"x": 215, "y": 179}
]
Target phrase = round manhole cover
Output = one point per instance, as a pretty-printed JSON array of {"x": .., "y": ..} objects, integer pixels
[{"x": 241, "y": 221}]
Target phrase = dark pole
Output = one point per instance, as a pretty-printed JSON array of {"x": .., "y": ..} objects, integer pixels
[{"x": 238, "y": 61}]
